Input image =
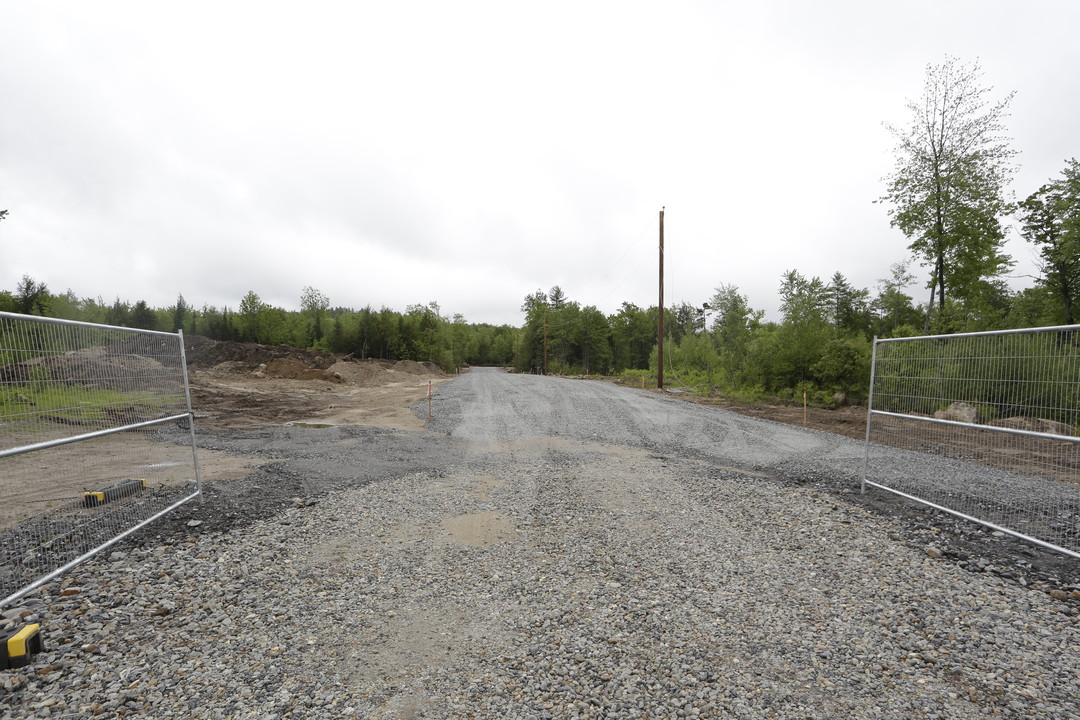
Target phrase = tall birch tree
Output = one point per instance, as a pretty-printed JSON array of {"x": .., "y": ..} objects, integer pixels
[{"x": 947, "y": 191}]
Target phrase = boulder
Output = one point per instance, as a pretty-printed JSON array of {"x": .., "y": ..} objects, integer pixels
[{"x": 958, "y": 412}]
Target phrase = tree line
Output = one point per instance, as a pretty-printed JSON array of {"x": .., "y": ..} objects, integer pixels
[{"x": 421, "y": 333}]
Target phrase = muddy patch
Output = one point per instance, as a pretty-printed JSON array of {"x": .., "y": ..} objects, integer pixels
[{"x": 480, "y": 529}]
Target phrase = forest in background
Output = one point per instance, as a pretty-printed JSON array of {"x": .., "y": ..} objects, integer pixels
[
  {"x": 821, "y": 345},
  {"x": 420, "y": 333}
]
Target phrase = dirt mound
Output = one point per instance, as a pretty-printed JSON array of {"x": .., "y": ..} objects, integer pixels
[
  {"x": 203, "y": 352},
  {"x": 232, "y": 366},
  {"x": 365, "y": 373},
  {"x": 195, "y": 346},
  {"x": 93, "y": 366},
  {"x": 290, "y": 368},
  {"x": 1034, "y": 425},
  {"x": 289, "y": 363},
  {"x": 418, "y": 368},
  {"x": 154, "y": 346}
]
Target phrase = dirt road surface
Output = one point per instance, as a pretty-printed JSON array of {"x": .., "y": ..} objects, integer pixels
[{"x": 549, "y": 548}]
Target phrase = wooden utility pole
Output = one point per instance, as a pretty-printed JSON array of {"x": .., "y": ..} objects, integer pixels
[{"x": 660, "y": 325}]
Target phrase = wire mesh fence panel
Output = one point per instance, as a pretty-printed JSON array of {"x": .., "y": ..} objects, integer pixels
[
  {"x": 983, "y": 425},
  {"x": 96, "y": 440}
]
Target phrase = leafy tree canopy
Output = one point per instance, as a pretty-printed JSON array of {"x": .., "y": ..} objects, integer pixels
[
  {"x": 947, "y": 190},
  {"x": 1050, "y": 220}
]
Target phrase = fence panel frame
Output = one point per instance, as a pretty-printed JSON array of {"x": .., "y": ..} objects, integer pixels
[
  {"x": 871, "y": 412},
  {"x": 185, "y": 416}
]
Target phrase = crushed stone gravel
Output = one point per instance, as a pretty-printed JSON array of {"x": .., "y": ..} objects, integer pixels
[{"x": 554, "y": 549}]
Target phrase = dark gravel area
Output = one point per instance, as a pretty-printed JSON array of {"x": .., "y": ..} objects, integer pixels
[{"x": 302, "y": 464}]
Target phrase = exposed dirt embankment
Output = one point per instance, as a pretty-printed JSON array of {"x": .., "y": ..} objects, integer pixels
[
  {"x": 203, "y": 352},
  {"x": 246, "y": 385}
]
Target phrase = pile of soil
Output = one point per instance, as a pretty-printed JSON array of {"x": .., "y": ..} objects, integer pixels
[
  {"x": 289, "y": 368},
  {"x": 289, "y": 363},
  {"x": 204, "y": 352},
  {"x": 154, "y": 346},
  {"x": 92, "y": 366},
  {"x": 418, "y": 368},
  {"x": 1035, "y": 425},
  {"x": 245, "y": 385},
  {"x": 364, "y": 373}
]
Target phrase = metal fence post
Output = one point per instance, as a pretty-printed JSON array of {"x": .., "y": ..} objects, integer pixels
[
  {"x": 869, "y": 415},
  {"x": 191, "y": 418}
]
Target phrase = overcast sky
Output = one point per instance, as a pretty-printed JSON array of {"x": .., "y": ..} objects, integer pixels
[{"x": 394, "y": 153}]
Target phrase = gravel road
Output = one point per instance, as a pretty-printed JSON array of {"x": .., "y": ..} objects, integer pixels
[{"x": 552, "y": 549}]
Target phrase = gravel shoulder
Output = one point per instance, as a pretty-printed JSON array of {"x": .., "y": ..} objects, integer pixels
[{"x": 552, "y": 549}]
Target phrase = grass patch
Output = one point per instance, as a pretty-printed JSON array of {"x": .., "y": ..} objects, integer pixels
[{"x": 78, "y": 404}]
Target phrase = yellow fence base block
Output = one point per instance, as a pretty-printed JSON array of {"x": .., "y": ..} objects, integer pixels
[
  {"x": 17, "y": 647},
  {"x": 123, "y": 489},
  {"x": 90, "y": 499}
]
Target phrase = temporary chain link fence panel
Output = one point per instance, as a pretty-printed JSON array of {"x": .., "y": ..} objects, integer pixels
[
  {"x": 984, "y": 426},
  {"x": 96, "y": 441}
]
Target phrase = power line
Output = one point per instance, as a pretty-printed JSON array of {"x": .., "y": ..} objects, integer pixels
[
  {"x": 626, "y": 252},
  {"x": 646, "y": 256}
]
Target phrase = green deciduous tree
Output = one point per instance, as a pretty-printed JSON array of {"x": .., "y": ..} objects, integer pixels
[
  {"x": 563, "y": 327},
  {"x": 684, "y": 319},
  {"x": 69, "y": 306},
  {"x": 801, "y": 299},
  {"x": 801, "y": 338},
  {"x": 734, "y": 322},
  {"x": 633, "y": 335},
  {"x": 593, "y": 340},
  {"x": 1034, "y": 307},
  {"x": 251, "y": 308},
  {"x": 1050, "y": 220},
  {"x": 695, "y": 361},
  {"x": 844, "y": 365},
  {"x": 313, "y": 304},
  {"x": 947, "y": 190}
]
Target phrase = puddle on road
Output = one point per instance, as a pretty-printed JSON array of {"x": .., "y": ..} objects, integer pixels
[
  {"x": 481, "y": 529},
  {"x": 310, "y": 425}
]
